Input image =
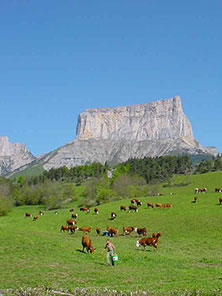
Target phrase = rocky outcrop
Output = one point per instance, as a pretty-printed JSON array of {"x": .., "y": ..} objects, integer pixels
[
  {"x": 13, "y": 156},
  {"x": 116, "y": 134}
]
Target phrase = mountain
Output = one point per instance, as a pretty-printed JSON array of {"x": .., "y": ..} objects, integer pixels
[
  {"x": 117, "y": 134},
  {"x": 13, "y": 156}
]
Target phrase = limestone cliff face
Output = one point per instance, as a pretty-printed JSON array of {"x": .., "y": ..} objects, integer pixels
[
  {"x": 13, "y": 156},
  {"x": 151, "y": 121}
]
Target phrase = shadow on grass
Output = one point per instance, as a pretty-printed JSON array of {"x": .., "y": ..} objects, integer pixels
[
  {"x": 81, "y": 251},
  {"x": 142, "y": 250},
  {"x": 100, "y": 263}
]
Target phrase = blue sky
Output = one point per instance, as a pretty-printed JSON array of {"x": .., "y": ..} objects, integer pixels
[{"x": 60, "y": 57}]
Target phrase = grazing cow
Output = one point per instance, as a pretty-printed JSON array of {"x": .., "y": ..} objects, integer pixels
[
  {"x": 133, "y": 201},
  {"x": 158, "y": 205},
  {"x": 136, "y": 201},
  {"x": 35, "y": 218},
  {"x": 85, "y": 229},
  {"x": 167, "y": 205},
  {"x": 73, "y": 228},
  {"x": 28, "y": 215},
  {"x": 220, "y": 200},
  {"x": 122, "y": 208},
  {"x": 41, "y": 213},
  {"x": 70, "y": 222},
  {"x": 96, "y": 211},
  {"x": 71, "y": 210},
  {"x": 84, "y": 209},
  {"x": 98, "y": 230},
  {"x": 140, "y": 231},
  {"x": 87, "y": 243},
  {"x": 56, "y": 212},
  {"x": 113, "y": 216},
  {"x": 147, "y": 241},
  {"x": 150, "y": 204},
  {"x": 64, "y": 228},
  {"x": 133, "y": 208},
  {"x": 74, "y": 216},
  {"x": 199, "y": 190},
  {"x": 112, "y": 231},
  {"x": 156, "y": 234},
  {"x": 218, "y": 190},
  {"x": 127, "y": 230},
  {"x": 195, "y": 199}
]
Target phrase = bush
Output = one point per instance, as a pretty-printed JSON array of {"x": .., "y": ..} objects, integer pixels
[{"x": 5, "y": 205}]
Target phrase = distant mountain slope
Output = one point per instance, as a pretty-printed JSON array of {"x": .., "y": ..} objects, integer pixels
[{"x": 13, "y": 156}]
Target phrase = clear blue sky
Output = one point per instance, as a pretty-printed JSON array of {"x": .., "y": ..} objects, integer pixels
[{"x": 58, "y": 58}]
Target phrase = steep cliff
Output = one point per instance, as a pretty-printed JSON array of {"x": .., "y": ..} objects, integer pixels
[{"x": 13, "y": 156}]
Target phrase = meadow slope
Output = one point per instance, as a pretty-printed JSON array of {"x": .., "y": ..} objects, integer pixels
[{"x": 36, "y": 253}]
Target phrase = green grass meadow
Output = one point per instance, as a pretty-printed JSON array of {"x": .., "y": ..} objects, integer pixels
[{"x": 189, "y": 254}]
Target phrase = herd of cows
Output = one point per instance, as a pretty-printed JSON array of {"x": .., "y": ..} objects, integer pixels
[{"x": 71, "y": 223}]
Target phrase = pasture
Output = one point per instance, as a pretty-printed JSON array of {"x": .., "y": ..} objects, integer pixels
[{"x": 37, "y": 253}]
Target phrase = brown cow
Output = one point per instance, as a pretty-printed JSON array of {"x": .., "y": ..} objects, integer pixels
[
  {"x": 64, "y": 228},
  {"x": 73, "y": 228},
  {"x": 158, "y": 205},
  {"x": 71, "y": 210},
  {"x": 167, "y": 205},
  {"x": 85, "y": 229},
  {"x": 84, "y": 209},
  {"x": 98, "y": 230},
  {"x": 41, "y": 213},
  {"x": 140, "y": 231},
  {"x": 87, "y": 243},
  {"x": 74, "y": 216},
  {"x": 199, "y": 190},
  {"x": 136, "y": 201},
  {"x": 220, "y": 200},
  {"x": 70, "y": 222},
  {"x": 112, "y": 231},
  {"x": 195, "y": 199},
  {"x": 113, "y": 216},
  {"x": 127, "y": 230},
  {"x": 218, "y": 190},
  {"x": 35, "y": 218},
  {"x": 122, "y": 208},
  {"x": 96, "y": 211},
  {"x": 133, "y": 208},
  {"x": 28, "y": 215},
  {"x": 156, "y": 234},
  {"x": 150, "y": 204},
  {"x": 147, "y": 241}
]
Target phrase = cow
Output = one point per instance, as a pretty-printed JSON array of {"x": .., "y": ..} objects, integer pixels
[
  {"x": 195, "y": 199},
  {"x": 85, "y": 229},
  {"x": 127, "y": 230},
  {"x": 141, "y": 231},
  {"x": 35, "y": 218},
  {"x": 133, "y": 208},
  {"x": 136, "y": 201},
  {"x": 56, "y": 212},
  {"x": 147, "y": 241},
  {"x": 199, "y": 190},
  {"x": 167, "y": 205},
  {"x": 70, "y": 222},
  {"x": 220, "y": 200},
  {"x": 112, "y": 231},
  {"x": 113, "y": 216},
  {"x": 218, "y": 190},
  {"x": 41, "y": 213},
  {"x": 156, "y": 234},
  {"x": 64, "y": 228},
  {"x": 158, "y": 205},
  {"x": 150, "y": 204},
  {"x": 122, "y": 208},
  {"x": 72, "y": 228},
  {"x": 87, "y": 243},
  {"x": 74, "y": 216},
  {"x": 28, "y": 215},
  {"x": 96, "y": 211},
  {"x": 85, "y": 209},
  {"x": 98, "y": 230},
  {"x": 71, "y": 210}
]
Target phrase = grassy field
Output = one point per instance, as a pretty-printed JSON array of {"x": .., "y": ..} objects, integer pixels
[{"x": 36, "y": 253}]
